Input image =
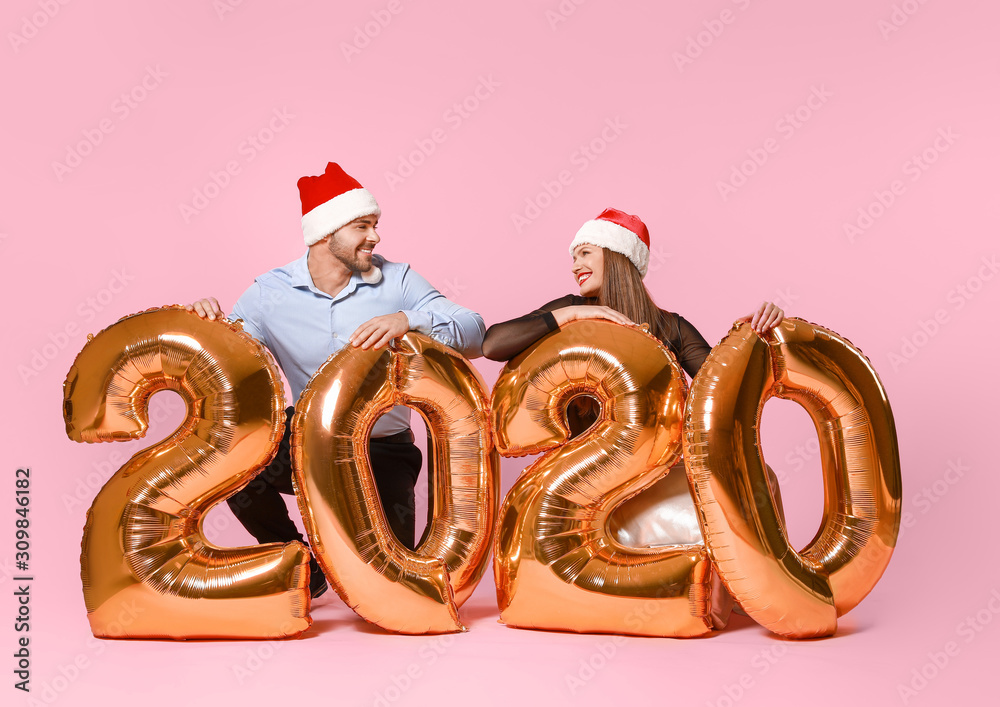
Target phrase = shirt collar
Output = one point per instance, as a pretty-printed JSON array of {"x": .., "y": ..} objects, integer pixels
[
  {"x": 300, "y": 272},
  {"x": 302, "y": 278}
]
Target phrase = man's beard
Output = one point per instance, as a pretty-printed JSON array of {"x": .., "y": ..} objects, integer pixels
[{"x": 351, "y": 260}]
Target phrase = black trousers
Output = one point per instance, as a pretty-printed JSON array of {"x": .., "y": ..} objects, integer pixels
[{"x": 395, "y": 464}]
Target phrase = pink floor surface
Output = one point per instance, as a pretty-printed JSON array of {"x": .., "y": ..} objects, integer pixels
[{"x": 839, "y": 159}]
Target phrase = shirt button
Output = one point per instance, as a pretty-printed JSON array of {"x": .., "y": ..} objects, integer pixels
[{"x": 335, "y": 335}]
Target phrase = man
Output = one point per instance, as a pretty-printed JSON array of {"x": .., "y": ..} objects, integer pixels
[{"x": 341, "y": 293}]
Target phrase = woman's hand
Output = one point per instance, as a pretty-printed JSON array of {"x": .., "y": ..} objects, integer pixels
[
  {"x": 565, "y": 315},
  {"x": 207, "y": 308},
  {"x": 767, "y": 316}
]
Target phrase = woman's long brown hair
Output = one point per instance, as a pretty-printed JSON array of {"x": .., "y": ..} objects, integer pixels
[{"x": 624, "y": 291}]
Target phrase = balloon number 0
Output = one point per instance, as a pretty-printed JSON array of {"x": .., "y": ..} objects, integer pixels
[
  {"x": 556, "y": 564},
  {"x": 795, "y": 594},
  {"x": 398, "y": 589}
]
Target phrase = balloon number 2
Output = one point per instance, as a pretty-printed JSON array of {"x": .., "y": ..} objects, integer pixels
[
  {"x": 147, "y": 570},
  {"x": 557, "y": 566}
]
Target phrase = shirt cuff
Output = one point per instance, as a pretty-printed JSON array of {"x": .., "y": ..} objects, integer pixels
[
  {"x": 419, "y": 321},
  {"x": 550, "y": 320}
]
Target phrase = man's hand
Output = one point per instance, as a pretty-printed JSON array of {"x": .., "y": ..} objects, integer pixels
[
  {"x": 379, "y": 331},
  {"x": 766, "y": 317},
  {"x": 207, "y": 308}
]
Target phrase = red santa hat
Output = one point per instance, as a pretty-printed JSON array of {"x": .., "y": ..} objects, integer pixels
[
  {"x": 620, "y": 232},
  {"x": 332, "y": 200}
]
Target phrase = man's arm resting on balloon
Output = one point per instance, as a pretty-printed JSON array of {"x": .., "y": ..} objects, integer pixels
[
  {"x": 431, "y": 313},
  {"x": 247, "y": 308}
]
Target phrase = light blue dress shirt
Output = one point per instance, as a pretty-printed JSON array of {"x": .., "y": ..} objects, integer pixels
[{"x": 302, "y": 326}]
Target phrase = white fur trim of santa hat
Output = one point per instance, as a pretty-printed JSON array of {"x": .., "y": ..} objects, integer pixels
[
  {"x": 338, "y": 212},
  {"x": 619, "y": 239}
]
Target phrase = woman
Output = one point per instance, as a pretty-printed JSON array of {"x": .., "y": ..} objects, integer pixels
[{"x": 610, "y": 259}]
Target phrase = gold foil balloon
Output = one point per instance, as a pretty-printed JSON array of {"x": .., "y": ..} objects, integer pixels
[
  {"x": 665, "y": 513},
  {"x": 558, "y": 564},
  {"x": 795, "y": 594},
  {"x": 147, "y": 570},
  {"x": 662, "y": 515},
  {"x": 400, "y": 590}
]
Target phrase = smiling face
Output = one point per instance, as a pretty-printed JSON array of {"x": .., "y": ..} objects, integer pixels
[
  {"x": 588, "y": 269},
  {"x": 352, "y": 244}
]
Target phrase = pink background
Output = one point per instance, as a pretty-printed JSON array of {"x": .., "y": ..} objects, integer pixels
[{"x": 896, "y": 101}]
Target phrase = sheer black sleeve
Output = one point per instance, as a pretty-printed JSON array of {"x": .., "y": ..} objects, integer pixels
[
  {"x": 689, "y": 346},
  {"x": 506, "y": 340}
]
